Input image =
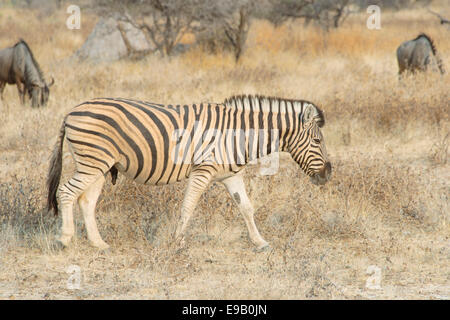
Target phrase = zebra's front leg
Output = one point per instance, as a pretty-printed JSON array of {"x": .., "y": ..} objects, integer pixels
[
  {"x": 236, "y": 187},
  {"x": 197, "y": 183}
]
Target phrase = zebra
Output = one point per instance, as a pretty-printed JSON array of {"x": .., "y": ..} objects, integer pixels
[{"x": 161, "y": 144}]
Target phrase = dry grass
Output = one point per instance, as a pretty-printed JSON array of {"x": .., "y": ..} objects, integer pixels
[{"x": 387, "y": 204}]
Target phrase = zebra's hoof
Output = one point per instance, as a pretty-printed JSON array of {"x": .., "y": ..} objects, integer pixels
[
  {"x": 58, "y": 246},
  {"x": 262, "y": 248},
  {"x": 101, "y": 245},
  {"x": 64, "y": 240}
]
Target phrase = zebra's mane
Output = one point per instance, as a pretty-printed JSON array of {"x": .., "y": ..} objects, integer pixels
[
  {"x": 35, "y": 63},
  {"x": 271, "y": 103}
]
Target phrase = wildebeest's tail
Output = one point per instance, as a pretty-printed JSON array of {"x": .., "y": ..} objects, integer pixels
[{"x": 54, "y": 172}]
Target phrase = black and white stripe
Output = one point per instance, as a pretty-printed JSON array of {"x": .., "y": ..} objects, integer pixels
[{"x": 156, "y": 144}]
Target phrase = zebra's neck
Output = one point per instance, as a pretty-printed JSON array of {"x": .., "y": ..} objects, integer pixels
[{"x": 276, "y": 119}]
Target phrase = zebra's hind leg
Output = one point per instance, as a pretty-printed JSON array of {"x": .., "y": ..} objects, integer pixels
[
  {"x": 236, "y": 188},
  {"x": 68, "y": 193},
  {"x": 197, "y": 183},
  {"x": 87, "y": 202}
]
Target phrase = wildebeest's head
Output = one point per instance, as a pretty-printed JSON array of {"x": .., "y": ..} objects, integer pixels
[
  {"x": 45, "y": 92},
  {"x": 40, "y": 94}
]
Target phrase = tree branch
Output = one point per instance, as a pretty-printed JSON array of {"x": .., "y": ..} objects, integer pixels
[{"x": 443, "y": 20}]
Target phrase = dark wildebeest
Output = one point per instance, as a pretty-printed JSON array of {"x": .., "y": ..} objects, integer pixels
[
  {"x": 417, "y": 55},
  {"x": 18, "y": 66}
]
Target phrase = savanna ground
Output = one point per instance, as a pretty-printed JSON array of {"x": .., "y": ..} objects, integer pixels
[{"x": 386, "y": 205}]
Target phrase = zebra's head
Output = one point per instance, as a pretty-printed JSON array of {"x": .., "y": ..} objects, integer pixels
[{"x": 309, "y": 150}]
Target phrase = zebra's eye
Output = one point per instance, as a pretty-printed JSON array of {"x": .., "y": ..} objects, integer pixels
[{"x": 316, "y": 141}]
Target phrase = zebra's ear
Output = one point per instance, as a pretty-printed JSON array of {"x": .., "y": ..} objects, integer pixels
[
  {"x": 308, "y": 113},
  {"x": 311, "y": 112}
]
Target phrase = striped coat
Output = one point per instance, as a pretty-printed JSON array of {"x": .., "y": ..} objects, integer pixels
[{"x": 156, "y": 144}]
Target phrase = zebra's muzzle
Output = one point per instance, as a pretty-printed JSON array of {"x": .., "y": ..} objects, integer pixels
[{"x": 323, "y": 175}]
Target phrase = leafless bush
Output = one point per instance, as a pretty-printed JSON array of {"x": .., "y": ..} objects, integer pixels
[
  {"x": 326, "y": 13},
  {"x": 164, "y": 22},
  {"x": 236, "y": 29},
  {"x": 218, "y": 24},
  {"x": 225, "y": 25},
  {"x": 393, "y": 4}
]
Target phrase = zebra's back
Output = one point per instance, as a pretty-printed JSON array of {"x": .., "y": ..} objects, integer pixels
[{"x": 150, "y": 143}]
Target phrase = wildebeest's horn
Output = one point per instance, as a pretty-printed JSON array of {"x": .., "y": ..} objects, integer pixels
[{"x": 51, "y": 82}]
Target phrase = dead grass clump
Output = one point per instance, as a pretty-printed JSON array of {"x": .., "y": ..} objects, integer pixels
[
  {"x": 439, "y": 151},
  {"x": 382, "y": 108},
  {"x": 397, "y": 196},
  {"x": 252, "y": 75},
  {"x": 361, "y": 199},
  {"x": 138, "y": 213},
  {"x": 22, "y": 210},
  {"x": 18, "y": 200}
]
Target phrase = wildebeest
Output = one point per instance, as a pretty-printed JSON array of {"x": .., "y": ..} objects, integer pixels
[
  {"x": 418, "y": 55},
  {"x": 18, "y": 66}
]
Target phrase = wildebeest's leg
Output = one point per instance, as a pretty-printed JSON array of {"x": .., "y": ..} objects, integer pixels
[
  {"x": 87, "y": 202},
  {"x": 236, "y": 187},
  {"x": 21, "y": 88},
  {"x": 197, "y": 183},
  {"x": 35, "y": 94},
  {"x": 401, "y": 71},
  {"x": 426, "y": 63},
  {"x": 2, "y": 88},
  {"x": 403, "y": 66}
]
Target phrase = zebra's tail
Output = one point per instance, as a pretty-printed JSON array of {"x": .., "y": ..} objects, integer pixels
[{"x": 54, "y": 172}]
